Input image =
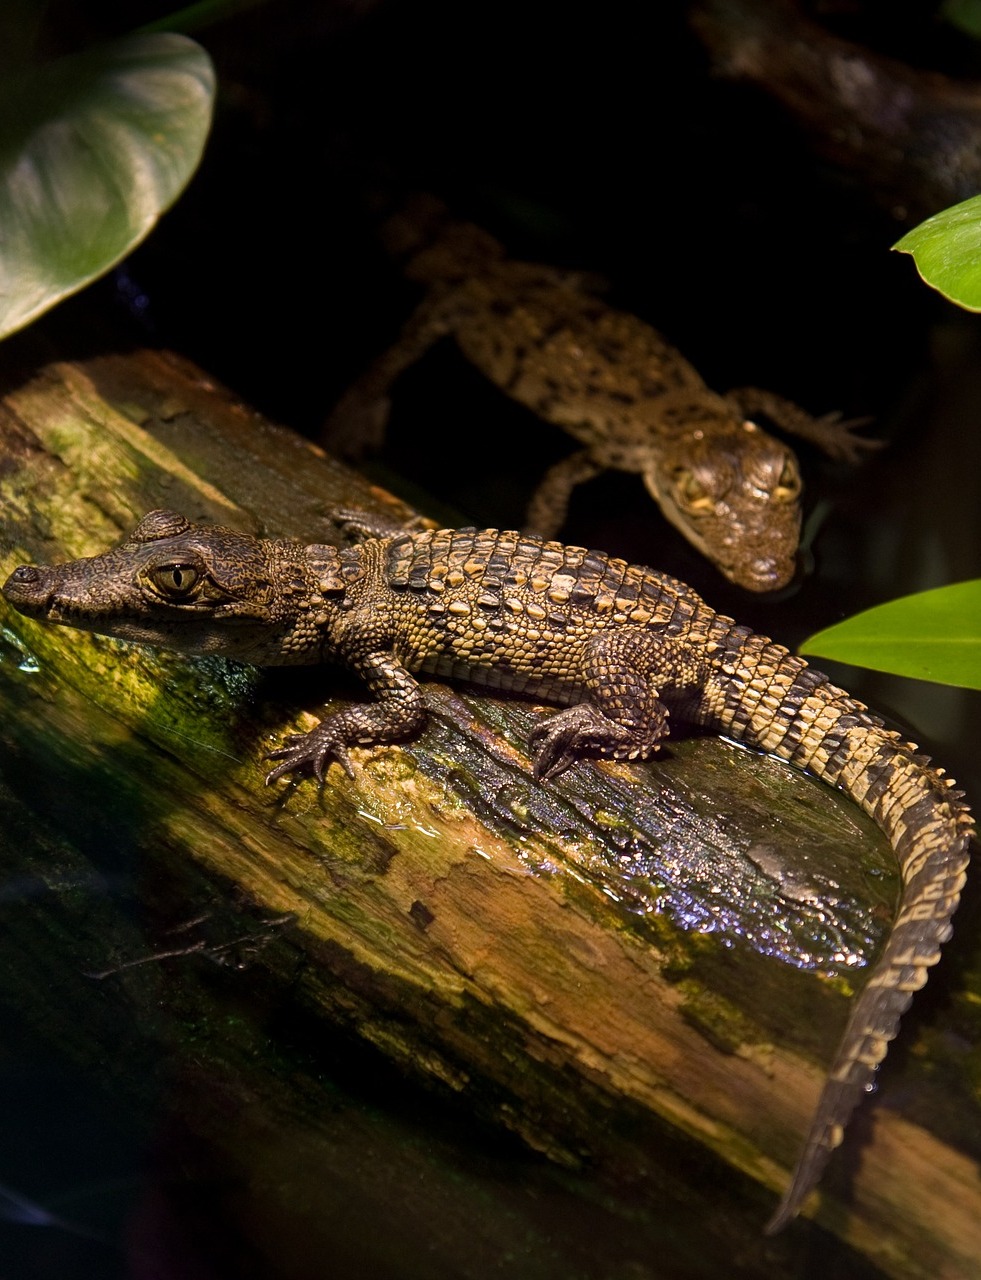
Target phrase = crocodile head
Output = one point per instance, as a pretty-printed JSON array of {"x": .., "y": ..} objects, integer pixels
[
  {"x": 200, "y": 589},
  {"x": 734, "y": 492}
]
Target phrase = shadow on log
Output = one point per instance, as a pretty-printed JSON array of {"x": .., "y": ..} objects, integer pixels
[{"x": 639, "y": 970}]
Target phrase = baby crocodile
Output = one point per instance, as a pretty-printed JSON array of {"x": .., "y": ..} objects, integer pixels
[
  {"x": 614, "y": 384},
  {"x": 620, "y": 648}
]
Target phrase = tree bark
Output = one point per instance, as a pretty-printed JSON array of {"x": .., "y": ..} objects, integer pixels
[{"x": 628, "y": 968}]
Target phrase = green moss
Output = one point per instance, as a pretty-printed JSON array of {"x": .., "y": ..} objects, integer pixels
[{"x": 724, "y": 1026}]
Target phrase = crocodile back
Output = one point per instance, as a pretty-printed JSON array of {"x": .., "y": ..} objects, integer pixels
[{"x": 514, "y": 612}]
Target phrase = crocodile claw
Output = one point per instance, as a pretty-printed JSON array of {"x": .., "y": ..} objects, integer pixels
[
  {"x": 309, "y": 753},
  {"x": 559, "y": 740},
  {"x": 583, "y": 730},
  {"x": 835, "y": 435}
]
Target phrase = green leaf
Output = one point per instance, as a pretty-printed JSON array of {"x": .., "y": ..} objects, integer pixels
[
  {"x": 965, "y": 14},
  {"x": 93, "y": 148},
  {"x": 947, "y": 252},
  {"x": 934, "y": 635}
]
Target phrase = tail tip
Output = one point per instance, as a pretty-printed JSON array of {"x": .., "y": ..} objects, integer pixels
[{"x": 784, "y": 1214}]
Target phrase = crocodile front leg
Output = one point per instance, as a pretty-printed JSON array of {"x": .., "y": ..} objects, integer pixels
[
  {"x": 398, "y": 712},
  {"x": 356, "y": 425},
  {"x": 550, "y": 501},
  {"x": 830, "y": 433}
]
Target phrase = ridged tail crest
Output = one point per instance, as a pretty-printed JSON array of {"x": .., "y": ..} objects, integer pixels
[{"x": 770, "y": 699}]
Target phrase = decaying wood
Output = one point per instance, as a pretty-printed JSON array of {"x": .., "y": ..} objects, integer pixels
[{"x": 628, "y": 963}]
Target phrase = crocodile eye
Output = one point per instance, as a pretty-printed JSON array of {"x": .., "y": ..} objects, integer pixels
[
  {"x": 788, "y": 486},
  {"x": 692, "y": 493},
  {"x": 175, "y": 580}
]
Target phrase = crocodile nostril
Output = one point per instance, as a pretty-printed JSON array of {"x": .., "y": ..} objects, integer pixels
[
  {"x": 28, "y": 589},
  {"x": 26, "y": 573}
]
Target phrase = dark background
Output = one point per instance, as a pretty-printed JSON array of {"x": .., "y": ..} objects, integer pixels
[{"x": 596, "y": 137}]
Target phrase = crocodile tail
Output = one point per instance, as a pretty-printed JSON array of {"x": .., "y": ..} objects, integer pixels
[
  {"x": 929, "y": 828},
  {"x": 788, "y": 708}
]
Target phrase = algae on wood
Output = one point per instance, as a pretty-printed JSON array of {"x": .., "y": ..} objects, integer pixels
[{"x": 622, "y": 966}]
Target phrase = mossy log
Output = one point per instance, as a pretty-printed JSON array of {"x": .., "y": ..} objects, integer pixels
[{"x": 639, "y": 968}]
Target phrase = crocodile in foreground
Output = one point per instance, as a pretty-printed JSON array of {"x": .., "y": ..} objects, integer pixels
[
  {"x": 631, "y": 400},
  {"x": 618, "y": 647}
]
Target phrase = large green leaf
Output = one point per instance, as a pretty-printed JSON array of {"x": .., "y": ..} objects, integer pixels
[
  {"x": 93, "y": 148},
  {"x": 934, "y": 635},
  {"x": 947, "y": 252},
  {"x": 964, "y": 14}
]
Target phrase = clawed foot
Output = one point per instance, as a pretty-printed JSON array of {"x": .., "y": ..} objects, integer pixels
[
  {"x": 557, "y": 743},
  {"x": 561, "y": 739},
  {"x": 830, "y": 432},
  {"x": 310, "y": 753},
  {"x": 357, "y": 526},
  {"x": 834, "y": 435}
]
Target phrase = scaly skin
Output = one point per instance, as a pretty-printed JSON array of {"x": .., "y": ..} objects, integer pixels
[
  {"x": 612, "y": 382},
  {"x": 619, "y": 648}
]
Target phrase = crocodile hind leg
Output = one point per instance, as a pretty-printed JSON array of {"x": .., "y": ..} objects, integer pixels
[{"x": 623, "y": 716}]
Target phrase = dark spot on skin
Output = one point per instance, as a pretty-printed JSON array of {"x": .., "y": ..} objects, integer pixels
[
  {"x": 545, "y": 336},
  {"x": 652, "y": 387}
]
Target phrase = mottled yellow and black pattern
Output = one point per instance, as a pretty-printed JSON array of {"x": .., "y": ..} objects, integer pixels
[
  {"x": 621, "y": 649},
  {"x": 612, "y": 382}
]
